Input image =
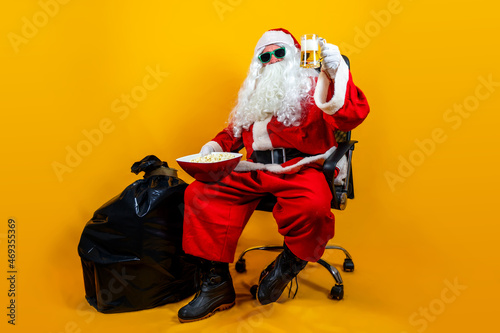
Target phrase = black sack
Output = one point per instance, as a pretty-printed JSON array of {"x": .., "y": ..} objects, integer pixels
[{"x": 131, "y": 249}]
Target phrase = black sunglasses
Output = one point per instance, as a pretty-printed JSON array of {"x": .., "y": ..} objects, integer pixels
[{"x": 278, "y": 53}]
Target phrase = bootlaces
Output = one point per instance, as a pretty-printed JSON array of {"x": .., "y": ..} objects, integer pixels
[{"x": 200, "y": 278}]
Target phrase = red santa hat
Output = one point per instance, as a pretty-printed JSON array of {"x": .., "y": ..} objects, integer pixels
[{"x": 277, "y": 36}]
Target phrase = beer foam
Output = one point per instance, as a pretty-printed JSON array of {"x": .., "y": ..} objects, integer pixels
[{"x": 310, "y": 45}]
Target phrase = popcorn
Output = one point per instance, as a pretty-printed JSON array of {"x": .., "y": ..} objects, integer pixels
[{"x": 213, "y": 157}]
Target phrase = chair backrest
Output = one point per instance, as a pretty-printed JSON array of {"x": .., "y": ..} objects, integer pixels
[
  {"x": 341, "y": 190},
  {"x": 342, "y": 136}
]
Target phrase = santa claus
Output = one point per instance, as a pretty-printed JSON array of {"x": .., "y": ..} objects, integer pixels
[{"x": 285, "y": 117}]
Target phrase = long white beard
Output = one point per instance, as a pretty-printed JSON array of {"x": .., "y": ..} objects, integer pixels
[{"x": 279, "y": 89}]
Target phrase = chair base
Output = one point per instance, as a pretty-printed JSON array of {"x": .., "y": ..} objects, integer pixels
[{"x": 337, "y": 291}]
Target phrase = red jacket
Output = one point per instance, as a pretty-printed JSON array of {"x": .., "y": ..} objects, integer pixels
[{"x": 341, "y": 106}]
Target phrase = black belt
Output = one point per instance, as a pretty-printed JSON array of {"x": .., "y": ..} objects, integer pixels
[{"x": 276, "y": 155}]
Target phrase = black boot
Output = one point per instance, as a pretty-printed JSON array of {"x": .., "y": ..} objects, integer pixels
[
  {"x": 216, "y": 293},
  {"x": 277, "y": 275}
]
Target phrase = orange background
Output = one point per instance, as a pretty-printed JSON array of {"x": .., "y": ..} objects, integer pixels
[{"x": 425, "y": 166}]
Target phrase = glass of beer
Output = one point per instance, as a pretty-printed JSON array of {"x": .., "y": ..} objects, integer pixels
[{"x": 309, "y": 51}]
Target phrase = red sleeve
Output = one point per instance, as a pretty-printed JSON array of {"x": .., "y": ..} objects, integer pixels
[
  {"x": 354, "y": 110},
  {"x": 227, "y": 140}
]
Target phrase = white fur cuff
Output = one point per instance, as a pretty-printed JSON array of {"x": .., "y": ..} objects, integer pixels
[{"x": 340, "y": 85}]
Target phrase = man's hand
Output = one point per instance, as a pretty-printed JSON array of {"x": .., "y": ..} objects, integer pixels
[
  {"x": 207, "y": 149},
  {"x": 331, "y": 58}
]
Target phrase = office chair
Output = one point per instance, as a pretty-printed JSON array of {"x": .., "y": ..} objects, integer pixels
[{"x": 341, "y": 190}]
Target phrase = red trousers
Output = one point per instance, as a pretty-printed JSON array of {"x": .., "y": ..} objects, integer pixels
[{"x": 216, "y": 213}]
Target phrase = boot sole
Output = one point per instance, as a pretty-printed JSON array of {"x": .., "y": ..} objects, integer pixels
[{"x": 210, "y": 314}]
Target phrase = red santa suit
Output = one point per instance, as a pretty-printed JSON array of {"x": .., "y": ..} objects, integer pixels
[{"x": 216, "y": 213}]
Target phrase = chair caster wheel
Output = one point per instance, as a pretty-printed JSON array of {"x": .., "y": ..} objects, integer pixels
[
  {"x": 241, "y": 266},
  {"x": 253, "y": 291},
  {"x": 337, "y": 292},
  {"x": 348, "y": 265}
]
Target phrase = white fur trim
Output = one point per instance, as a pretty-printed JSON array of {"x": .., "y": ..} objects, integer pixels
[
  {"x": 274, "y": 37},
  {"x": 342, "y": 166},
  {"x": 261, "y": 139},
  {"x": 217, "y": 148},
  {"x": 340, "y": 85},
  {"x": 244, "y": 166}
]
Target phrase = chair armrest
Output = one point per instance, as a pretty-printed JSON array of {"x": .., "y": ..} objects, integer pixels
[{"x": 332, "y": 160}]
